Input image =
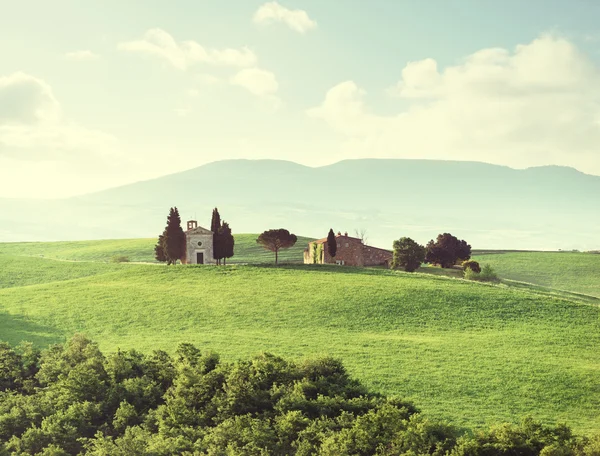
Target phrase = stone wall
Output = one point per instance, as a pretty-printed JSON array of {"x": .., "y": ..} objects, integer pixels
[
  {"x": 377, "y": 257},
  {"x": 350, "y": 252},
  {"x": 192, "y": 247}
]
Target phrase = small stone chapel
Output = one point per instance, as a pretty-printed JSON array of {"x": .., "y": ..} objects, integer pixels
[{"x": 199, "y": 244}]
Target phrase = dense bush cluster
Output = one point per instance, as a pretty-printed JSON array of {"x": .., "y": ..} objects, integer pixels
[
  {"x": 447, "y": 250},
  {"x": 71, "y": 399}
]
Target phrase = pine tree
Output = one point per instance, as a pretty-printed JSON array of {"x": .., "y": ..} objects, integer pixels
[
  {"x": 275, "y": 240},
  {"x": 174, "y": 238},
  {"x": 331, "y": 243}
]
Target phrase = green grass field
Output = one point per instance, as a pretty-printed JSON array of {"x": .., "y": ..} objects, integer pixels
[
  {"x": 142, "y": 250},
  {"x": 573, "y": 272},
  {"x": 468, "y": 352}
]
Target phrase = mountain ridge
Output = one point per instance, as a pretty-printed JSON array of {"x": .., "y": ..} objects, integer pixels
[{"x": 492, "y": 206}]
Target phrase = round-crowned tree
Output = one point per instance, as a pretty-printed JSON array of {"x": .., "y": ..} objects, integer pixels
[
  {"x": 275, "y": 240},
  {"x": 408, "y": 255},
  {"x": 446, "y": 250}
]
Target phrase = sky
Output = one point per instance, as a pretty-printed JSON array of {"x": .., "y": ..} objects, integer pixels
[{"x": 95, "y": 94}]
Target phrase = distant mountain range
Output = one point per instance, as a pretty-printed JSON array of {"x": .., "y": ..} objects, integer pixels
[{"x": 490, "y": 206}]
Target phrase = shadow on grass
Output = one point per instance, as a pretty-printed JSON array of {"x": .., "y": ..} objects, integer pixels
[{"x": 14, "y": 329}]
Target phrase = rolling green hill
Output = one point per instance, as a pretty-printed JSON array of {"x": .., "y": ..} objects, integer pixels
[
  {"x": 548, "y": 271},
  {"x": 468, "y": 352},
  {"x": 574, "y": 272},
  {"x": 142, "y": 250}
]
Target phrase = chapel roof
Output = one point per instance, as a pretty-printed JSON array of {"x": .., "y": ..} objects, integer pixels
[{"x": 199, "y": 230}]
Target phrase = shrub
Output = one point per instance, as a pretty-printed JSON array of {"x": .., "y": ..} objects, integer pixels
[
  {"x": 471, "y": 275},
  {"x": 487, "y": 274},
  {"x": 120, "y": 259},
  {"x": 472, "y": 265}
]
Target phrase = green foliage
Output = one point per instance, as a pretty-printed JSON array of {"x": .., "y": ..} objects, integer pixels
[
  {"x": 274, "y": 240},
  {"x": 320, "y": 253},
  {"x": 83, "y": 403},
  {"x": 331, "y": 243},
  {"x": 119, "y": 259},
  {"x": 446, "y": 250},
  {"x": 487, "y": 274},
  {"x": 470, "y": 274},
  {"x": 408, "y": 255},
  {"x": 472, "y": 265},
  {"x": 315, "y": 257}
]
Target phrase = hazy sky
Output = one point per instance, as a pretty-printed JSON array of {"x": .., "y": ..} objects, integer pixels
[{"x": 99, "y": 93}]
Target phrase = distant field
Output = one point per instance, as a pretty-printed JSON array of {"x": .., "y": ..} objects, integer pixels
[
  {"x": 575, "y": 272},
  {"x": 467, "y": 352},
  {"x": 142, "y": 250}
]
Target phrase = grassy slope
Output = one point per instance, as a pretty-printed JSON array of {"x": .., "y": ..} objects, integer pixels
[
  {"x": 246, "y": 250},
  {"x": 575, "y": 272},
  {"x": 468, "y": 352}
]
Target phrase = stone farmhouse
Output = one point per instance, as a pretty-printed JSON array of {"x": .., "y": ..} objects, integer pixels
[
  {"x": 351, "y": 251},
  {"x": 198, "y": 244}
]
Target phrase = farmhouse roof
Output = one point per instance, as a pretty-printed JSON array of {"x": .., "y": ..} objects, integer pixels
[{"x": 324, "y": 240}]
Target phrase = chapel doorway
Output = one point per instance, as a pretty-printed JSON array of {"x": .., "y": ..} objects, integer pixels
[{"x": 199, "y": 257}]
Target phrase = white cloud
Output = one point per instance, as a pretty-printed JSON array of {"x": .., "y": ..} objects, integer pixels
[
  {"x": 81, "y": 55},
  {"x": 261, "y": 83},
  {"x": 256, "y": 81},
  {"x": 539, "y": 104},
  {"x": 25, "y": 99},
  {"x": 297, "y": 20},
  {"x": 31, "y": 122},
  {"x": 183, "y": 55}
]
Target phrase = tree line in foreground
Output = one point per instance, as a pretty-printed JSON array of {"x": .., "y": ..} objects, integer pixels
[{"x": 72, "y": 399}]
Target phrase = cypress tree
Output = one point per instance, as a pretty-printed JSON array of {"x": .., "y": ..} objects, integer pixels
[
  {"x": 215, "y": 227},
  {"x": 174, "y": 238},
  {"x": 227, "y": 242},
  {"x": 215, "y": 223},
  {"x": 159, "y": 248},
  {"x": 331, "y": 243}
]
